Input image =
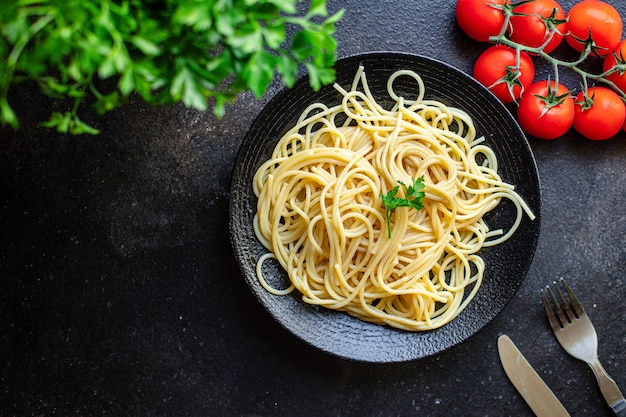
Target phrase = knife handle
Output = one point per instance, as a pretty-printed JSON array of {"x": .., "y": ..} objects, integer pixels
[{"x": 609, "y": 389}]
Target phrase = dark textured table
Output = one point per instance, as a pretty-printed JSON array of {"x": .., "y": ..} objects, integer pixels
[{"x": 120, "y": 295}]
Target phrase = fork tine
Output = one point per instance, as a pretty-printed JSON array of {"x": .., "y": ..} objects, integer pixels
[
  {"x": 554, "y": 322},
  {"x": 557, "y": 306},
  {"x": 578, "y": 309},
  {"x": 571, "y": 316}
]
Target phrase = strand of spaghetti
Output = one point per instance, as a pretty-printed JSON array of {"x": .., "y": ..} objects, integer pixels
[{"x": 264, "y": 283}]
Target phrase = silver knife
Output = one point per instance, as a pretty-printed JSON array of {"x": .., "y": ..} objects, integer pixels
[{"x": 528, "y": 383}]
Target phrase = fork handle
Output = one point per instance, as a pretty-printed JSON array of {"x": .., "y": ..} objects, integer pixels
[
  {"x": 619, "y": 408},
  {"x": 609, "y": 389}
]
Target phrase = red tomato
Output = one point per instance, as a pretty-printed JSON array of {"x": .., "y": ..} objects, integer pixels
[
  {"x": 531, "y": 30},
  {"x": 604, "y": 118},
  {"x": 496, "y": 69},
  {"x": 602, "y": 19},
  {"x": 478, "y": 19},
  {"x": 545, "y": 112},
  {"x": 610, "y": 61}
]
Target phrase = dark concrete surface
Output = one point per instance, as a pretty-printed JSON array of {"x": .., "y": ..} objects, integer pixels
[{"x": 119, "y": 293}]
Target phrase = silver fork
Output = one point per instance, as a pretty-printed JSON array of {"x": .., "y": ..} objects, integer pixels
[{"x": 575, "y": 332}]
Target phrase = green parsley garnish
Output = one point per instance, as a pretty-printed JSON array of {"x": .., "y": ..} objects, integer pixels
[{"x": 414, "y": 198}]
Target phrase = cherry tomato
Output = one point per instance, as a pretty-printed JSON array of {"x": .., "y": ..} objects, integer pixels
[
  {"x": 546, "y": 111},
  {"x": 602, "y": 19},
  {"x": 498, "y": 64},
  {"x": 610, "y": 61},
  {"x": 604, "y": 118},
  {"x": 531, "y": 30},
  {"x": 478, "y": 19}
]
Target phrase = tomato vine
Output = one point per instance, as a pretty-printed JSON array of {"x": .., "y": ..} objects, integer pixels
[
  {"x": 535, "y": 28},
  {"x": 590, "y": 48}
]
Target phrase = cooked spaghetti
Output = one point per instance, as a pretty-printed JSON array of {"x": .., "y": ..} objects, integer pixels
[{"x": 320, "y": 211}]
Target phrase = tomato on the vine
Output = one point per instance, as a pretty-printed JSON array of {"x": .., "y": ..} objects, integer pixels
[
  {"x": 600, "y": 114},
  {"x": 496, "y": 69},
  {"x": 598, "y": 19},
  {"x": 617, "y": 56},
  {"x": 480, "y": 19},
  {"x": 546, "y": 110},
  {"x": 537, "y": 20}
]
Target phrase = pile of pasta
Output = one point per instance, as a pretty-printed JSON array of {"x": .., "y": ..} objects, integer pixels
[{"x": 321, "y": 216}]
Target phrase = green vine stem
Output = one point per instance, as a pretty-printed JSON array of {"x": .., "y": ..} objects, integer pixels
[{"x": 589, "y": 47}]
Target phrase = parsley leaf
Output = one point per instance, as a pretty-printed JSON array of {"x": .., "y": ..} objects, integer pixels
[
  {"x": 199, "y": 53},
  {"x": 414, "y": 199}
]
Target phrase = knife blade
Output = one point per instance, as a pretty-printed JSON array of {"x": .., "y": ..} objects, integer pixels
[{"x": 528, "y": 383}]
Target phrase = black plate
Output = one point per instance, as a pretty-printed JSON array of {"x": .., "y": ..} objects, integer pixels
[{"x": 506, "y": 264}]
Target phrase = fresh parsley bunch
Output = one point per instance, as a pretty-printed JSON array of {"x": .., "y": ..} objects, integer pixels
[{"x": 166, "y": 51}]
